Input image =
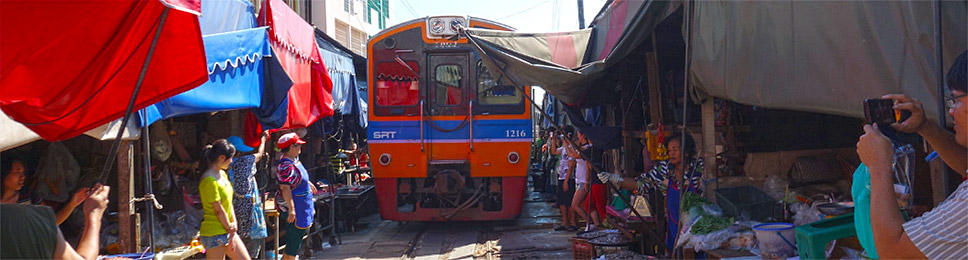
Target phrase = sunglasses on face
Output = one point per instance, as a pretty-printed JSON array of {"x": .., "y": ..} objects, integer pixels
[{"x": 952, "y": 101}]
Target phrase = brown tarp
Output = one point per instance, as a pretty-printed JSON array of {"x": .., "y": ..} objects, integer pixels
[
  {"x": 567, "y": 64},
  {"x": 820, "y": 56}
]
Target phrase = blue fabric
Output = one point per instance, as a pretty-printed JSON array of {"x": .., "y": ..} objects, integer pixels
[
  {"x": 235, "y": 77},
  {"x": 861, "y": 192},
  {"x": 219, "y": 16},
  {"x": 550, "y": 108},
  {"x": 347, "y": 99},
  {"x": 302, "y": 198}
]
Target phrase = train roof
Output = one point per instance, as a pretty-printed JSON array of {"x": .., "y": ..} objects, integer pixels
[{"x": 422, "y": 19}]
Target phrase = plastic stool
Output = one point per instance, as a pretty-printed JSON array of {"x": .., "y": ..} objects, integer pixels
[{"x": 812, "y": 238}]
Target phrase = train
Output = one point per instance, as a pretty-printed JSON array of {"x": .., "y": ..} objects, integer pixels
[{"x": 449, "y": 139}]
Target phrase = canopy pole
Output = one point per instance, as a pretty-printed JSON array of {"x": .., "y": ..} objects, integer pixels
[
  {"x": 146, "y": 145},
  {"x": 687, "y": 18},
  {"x": 134, "y": 96},
  {"x": 491, "y": 64}
]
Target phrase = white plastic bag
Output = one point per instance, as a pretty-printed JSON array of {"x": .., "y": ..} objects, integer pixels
[{"x": 56, "y": 174}]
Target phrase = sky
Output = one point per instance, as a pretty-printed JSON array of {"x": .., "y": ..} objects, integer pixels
[{"x": 523, "y": 15}]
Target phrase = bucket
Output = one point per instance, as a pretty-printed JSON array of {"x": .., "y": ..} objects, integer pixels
[{"x": 776, "y": 240}]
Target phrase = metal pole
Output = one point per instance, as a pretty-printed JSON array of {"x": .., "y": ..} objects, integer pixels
[
  {"x": 146, "y": 144},
  {"x": 581, "y": 14},
  {"x": 687, "y": 18},
  {"x": 134, "y": 96}
]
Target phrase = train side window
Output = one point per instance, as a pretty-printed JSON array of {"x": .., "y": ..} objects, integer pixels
[
  {"x": 397, "y": 85},
  {"x": 448, "y": 85},
  {"x": 489, "y": 92}
]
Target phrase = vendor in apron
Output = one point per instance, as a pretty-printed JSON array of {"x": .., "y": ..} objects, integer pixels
[
  {"x": 297, "y": 192},
  {"x": 665, "y": 176}
]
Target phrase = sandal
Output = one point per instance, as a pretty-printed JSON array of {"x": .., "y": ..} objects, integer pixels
[
  {"x": 560, "y": 228},
  {"x": 572, "y": 228}
]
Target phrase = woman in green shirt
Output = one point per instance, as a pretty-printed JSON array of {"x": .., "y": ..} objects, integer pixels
[{"x": 218, "y": 229}]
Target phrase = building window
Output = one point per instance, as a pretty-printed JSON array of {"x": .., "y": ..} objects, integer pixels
[
  {"x": 342, "y": 34},
  {"x": 358, "y": 41},
  {"x": 348, "y": 6}
]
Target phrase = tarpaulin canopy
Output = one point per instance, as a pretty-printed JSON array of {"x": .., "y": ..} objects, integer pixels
[
  {"x": 346, "y": 97},
  {"x": 294, "y": 44},
  {"x": 567, "y": 64},
  {"x": 60, "y": 76},
  {"x": 234, "y": 51},
  {"x": 825, "y": 56}
]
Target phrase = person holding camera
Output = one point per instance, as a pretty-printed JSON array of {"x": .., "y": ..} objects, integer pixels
[
  {"x": 941, "y": 233},
  {"x": 566, "y": 178}
]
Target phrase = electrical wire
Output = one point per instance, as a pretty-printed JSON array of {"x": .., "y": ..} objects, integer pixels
[{"x": 522, "y": 11}]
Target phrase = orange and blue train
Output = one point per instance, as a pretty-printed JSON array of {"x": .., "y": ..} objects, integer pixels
[{"x": 451, "y": 140}]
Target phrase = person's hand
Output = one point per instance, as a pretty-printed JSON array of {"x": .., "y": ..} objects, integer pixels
[
  {"x": 875, "y": 151},
  {"x": 79, "y": 196},
  {"x": 917, "y": 119},
  {"x": 607, "y": 177},
  {"x": 97, "y": 202},
  {"x": 292, "y": 216},
  {"x": 232, "y": 228},
  {"x": 313, "y": 187},
  {"x": 564, "y": 186},
  {"x": 228, "y": 242}
]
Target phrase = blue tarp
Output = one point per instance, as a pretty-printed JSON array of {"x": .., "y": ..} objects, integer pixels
[
  {"x": 348, "y": 100},
  {"x": 219, "y": 16},
  {"x": 235, "y": 77},
  {"x": 242, "y": 73}
]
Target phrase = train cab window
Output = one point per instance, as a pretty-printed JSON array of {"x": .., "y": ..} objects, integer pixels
[
  {"x": 494, "y": 97},
  {"x": 489, "y": 92},
  {"x": 397, "y": 85},
  {"x": 448, "y": 85}
]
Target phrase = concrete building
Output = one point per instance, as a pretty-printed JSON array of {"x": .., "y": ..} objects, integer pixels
[{"x": 348, "y": 21}]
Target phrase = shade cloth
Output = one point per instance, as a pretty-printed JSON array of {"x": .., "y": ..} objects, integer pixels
[
  {"x": 568, "y": 64},
  {"x": 825, "y": 56},
  {"x": 347, "y": 99},
  {"x": 219, "y": 16},
  {"x": 60, "y": 76},
  {"x": 294, "y": 44},
  {"x": 236, "y": 77}
]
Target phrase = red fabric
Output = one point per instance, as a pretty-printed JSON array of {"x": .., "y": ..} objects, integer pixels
[
  {"x": 189, "y": 6},
  {"x": 251, "y": 130},
  {"x": 596, "y": 200},
  {"x": 80, "y": 60},
  {"x": 453, "y": 95},
  {"x": 294, "y": 43}
]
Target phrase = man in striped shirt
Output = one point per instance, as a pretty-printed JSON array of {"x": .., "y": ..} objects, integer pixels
[{"x": 941, "y": 233}]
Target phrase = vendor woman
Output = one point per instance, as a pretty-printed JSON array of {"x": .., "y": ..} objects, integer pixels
[
  {"x": 14, "y": 174},
  {"x": 665, "y": 176}
]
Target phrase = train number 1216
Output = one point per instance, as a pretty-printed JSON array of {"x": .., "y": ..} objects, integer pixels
[{"x": 515, "y": 133}]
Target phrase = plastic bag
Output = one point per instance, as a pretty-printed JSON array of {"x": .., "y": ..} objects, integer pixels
[
  {"x": 57, "y": 173},
  {"x": 861, "y": 192},
  {"x": 712, "y": 210},
  {"x": 775, "y": 187},
  {"x": 805, "y": 214},
  {"x": 734, "y": 237}
]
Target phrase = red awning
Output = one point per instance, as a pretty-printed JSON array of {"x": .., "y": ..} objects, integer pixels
[
  {"x": 293, "y": 42},
  {"x": 70, "y": 66}
]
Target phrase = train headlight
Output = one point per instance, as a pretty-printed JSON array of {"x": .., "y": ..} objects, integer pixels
[
  {"x": 385, "y": 159},
  {"x": 513, "y": 157}
]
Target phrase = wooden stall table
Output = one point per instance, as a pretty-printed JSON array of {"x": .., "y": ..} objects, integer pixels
[
  {"x": 320, "y": 222},
  {"x": 269, "y": 207}
]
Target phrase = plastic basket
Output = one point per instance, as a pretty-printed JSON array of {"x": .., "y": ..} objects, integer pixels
[
  {"x": 748, "y": 200},
  {"x": 581, "y": 249}
]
